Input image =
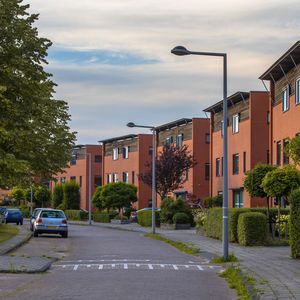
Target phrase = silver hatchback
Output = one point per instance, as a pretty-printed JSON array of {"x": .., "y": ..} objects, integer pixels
[{"x": 50, "y": 221}]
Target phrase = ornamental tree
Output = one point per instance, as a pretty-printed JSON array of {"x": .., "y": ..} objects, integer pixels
[{"x": 293, "y": 150}]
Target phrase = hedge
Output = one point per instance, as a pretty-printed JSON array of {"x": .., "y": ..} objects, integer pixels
[
  {"x": 181, "y": 218},
  {"x": 252, "y": 229},
  {"x": 145, "y": 217},
  {"x": 76, "y": 214},
  {"x": 213, "y": 224},
  {"x": 101, "y": 217},
  {"x": 295, "y": 223}
]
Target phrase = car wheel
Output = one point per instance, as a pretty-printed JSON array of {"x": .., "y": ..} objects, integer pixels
[
  {"x": 35, "y": 233},
  {"x": 64, "y": 234},
  {"x": 17, "y": 223}
]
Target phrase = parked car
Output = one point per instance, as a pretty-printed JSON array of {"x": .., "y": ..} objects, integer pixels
[
  {"x": 13, "y": 215},
  {"x": 51, "y": 221},
  {"x": 2, "y": 214},
  {"x": 33, "y": 217}
]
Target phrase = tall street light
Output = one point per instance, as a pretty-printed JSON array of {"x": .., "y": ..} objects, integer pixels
[
  {"x": 152, "y": 128},
  {"x": 180, "y": 50}
]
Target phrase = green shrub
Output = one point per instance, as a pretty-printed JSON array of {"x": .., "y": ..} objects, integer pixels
[
  {"x": 213, "y": 225},
  {"x": 282, "y": 227},
  {"x": 101, "y": 217},
  {"x": 215, "y": 201},
  {"x": 233, "y": 217},
  {"x": 252, "y": 229},
  {"x": 25, "y": 211},
  {"x": 57, "y": 195},
  {"x": 71, "y": 198},
  {"x": 145, "y": 217},
  {"x": 118, "y": 217},
  {"x": 200, "y": 218},
  {"x": 295, "y": 223},
  {"x": 76, "y": 214},
  {"x": 181, "y": 218}
]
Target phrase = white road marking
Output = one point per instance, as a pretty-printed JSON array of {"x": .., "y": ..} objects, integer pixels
[
  {"x": 162, "y": 266},
  {"x": 200, "y": 268},
  {"x": 125, "y": 266},
  {"x": 113, "y": 265},
  {"x": 175, "y": 267},
  {"x": 150, "y": 267},
  {"x": 137, "y": 265},
  {"x": 75, "y": 267},
  {"x": 88, "y": 266},
  {"x": 100, "y": 267}
]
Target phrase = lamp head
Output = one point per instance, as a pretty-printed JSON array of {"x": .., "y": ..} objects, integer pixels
[
  {"x": 180, "y": 50},
  {"x": 130, "y": 124}
]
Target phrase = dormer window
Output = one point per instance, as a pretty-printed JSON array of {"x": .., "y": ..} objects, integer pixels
[
  {"x": 235, "y": 123},
  {"x": 179, "y": 139},
  {"x": 125, "y": 151},
  {"x": 285, "y": 99},
  {"x": 115, "y": 153}
]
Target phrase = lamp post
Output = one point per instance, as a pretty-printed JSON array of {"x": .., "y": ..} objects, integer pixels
[
  {"x": 152, "y": 128},
  {"x": 90, "y": 187},
  {"x": 180, "y": 50}
]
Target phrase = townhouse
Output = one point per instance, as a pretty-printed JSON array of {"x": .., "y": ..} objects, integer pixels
[
  {"x": 248, "y": 143},
  {"x": 195, "y": 134},
  {"x": 284, "y": 102},
  {"x": 124, "y": 158},
  {"x": 86, "y": 169}
]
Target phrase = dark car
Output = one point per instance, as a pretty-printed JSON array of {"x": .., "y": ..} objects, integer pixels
[
  {"x": 2, "y": 213},
  {"x": 13, "y": 215}
]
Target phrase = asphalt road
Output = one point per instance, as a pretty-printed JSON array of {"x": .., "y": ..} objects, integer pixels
[{"x": 101, "y": 263}]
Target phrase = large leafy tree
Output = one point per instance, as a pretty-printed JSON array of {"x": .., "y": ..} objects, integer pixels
[
  {"x": 172, "y": 165},
  {"x": 35, "y": 138},
  {"x": 293, "y": 150}
]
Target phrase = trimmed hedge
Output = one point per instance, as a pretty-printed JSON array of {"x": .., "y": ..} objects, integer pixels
[
  {"x": 295, "y": 223},
  {"x": 76, "y": 214},
  {"x": 145, "y": 218},
  {"x": 252, "y": 229},
  {"x": 101, "y": 217},
  {"x": 214, "y": 221},
  {"x": 181, "y": 218}
]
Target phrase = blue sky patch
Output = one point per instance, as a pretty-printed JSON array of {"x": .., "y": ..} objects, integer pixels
[{"x": 97, "y": 57}]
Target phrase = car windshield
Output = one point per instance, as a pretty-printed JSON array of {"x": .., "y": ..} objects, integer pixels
[{"x": 52, "y": 214}]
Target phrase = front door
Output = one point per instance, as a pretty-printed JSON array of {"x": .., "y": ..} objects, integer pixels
[{"x": 238, "y": 200}]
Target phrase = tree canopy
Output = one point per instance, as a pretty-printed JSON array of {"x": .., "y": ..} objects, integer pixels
[
  {"x": 293, "y": 150},
  {"x": 35, "y": 139},
  {"x": 172, "y": 165}
]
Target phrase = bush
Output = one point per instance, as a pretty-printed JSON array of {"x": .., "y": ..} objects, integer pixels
[
  {"x": 57, "y": 195},
  {"x": 118, "y": 217},
  {"x": 71, "y": 198},
  {"x": 200, "y": 218},
  {"x": 170, "y": 207},
  {"x": 282, "y": 227},
  {"x": 252, "y": 229},
  {"x": 25, "y": 211},
  {"x": 215, "y": 201},
  {"x": 295, "y": 223},
  {"x": 181, "y": 218},
  {"x": 101, "y": 217},
  {"x": 145, "y": 217},
  {"x": 76, "y": 215}
]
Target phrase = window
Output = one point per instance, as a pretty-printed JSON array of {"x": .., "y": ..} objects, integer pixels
[
  {"x": 115, "y": 153},
  {"x": 235, "y": 123},
  {"x": 169, "y": 141},
  {"x": 207, "y": 138},
  {"x": 207, "y": 171},
  {"x": 268, "y": 117},
  {"x": 132, "y": 177},
  {"x": 73, "y": 159},
  {"x": 125, "y": 151},
  {"x": 222, "y": 128},
  {"x": 235, "y": 164},
  {"x": 98, "y": 158},
  {"x": 244, "y": 162},
  {"x": 62, "y": 179},
  {"x": 297, "y": 91},
  {"x": 298, "y": 134},
  {"x": 286, "y": 159},
  {"x": 109, "y": 178},
  {"x": 72, "y": 177},
  {"x": 278, "y": 153},
  {"x": 98, "y": 180},
  {"x": 218, "y": 167},
  {"x": 238, "y": 199},
  {"x": 150, "y": 150},
  {"x": 125, "y": 177},
  {"x": 285, "y": 99},
  {"x": 116, "y": 177},
  {"x": 80, "y": 181},
  {"x": 222, "y": 164},
  {"x": 179, "y": 139}
]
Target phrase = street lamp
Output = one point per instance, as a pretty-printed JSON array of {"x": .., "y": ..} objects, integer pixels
[
  {"x": 180, "y": 50},
  {"x": 152, "y": 128}
]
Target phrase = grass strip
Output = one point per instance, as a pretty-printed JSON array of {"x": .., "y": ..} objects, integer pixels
[
  {"x": 184, "y": 247},
  {"x": 7, "y": 232},
  {"x": 244, "y": 285},
  {"x": 221, "y": 259}
]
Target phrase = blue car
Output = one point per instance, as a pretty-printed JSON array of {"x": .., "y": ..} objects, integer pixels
[{"x": 13, "y": 215}]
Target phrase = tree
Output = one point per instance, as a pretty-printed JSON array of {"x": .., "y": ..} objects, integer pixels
[
  {"x": 98, "y": 200},
  {"x": 71, "y": 198},
  {"x": 57, "y": 195},
  {"x": 253, "y": 181},
  {"x": 293, "y": 150},
  {"x": 172, "y": 165},
  {"x": 118, "y": 195},
  {"x": 35, "y": 139},
  {"x": 42, "y": 196},
  {"x": 17, "y": 194}
]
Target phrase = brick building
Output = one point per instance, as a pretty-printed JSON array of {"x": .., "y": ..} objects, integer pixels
[
  {"x": 284, "y": 104},
  {"x": 195, "y": 134},
  {"x": 82, "y": 157},
  {"x": 248, "y": 136},
  {"x": 124, "y": 158}
]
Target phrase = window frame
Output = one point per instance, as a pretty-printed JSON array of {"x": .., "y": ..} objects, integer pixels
[
  {"x": 235, "y": 164},
  {"x": 207, "y": 171},
  {"x": 98, "y": 158},
  {"x": 218, "y": 165},
  {"x": 235, "y": 123},
  {"x": 297, "y": 91},
  {"x": 125, "y": 176},
  {"x": 125, "y": 154},
  {"x": 278, "y": 153},
  {"x": 285, "y": 101}
]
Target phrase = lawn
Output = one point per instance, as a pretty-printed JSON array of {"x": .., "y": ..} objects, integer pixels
[{"x": 7, "y": 232}]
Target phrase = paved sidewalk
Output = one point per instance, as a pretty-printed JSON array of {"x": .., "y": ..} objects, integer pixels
[
  {"x": 21, "y": 264},
  {"x": 276, "y": 274}
]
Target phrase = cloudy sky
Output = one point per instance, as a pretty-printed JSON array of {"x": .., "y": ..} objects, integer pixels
[{"x": 112, "y": 61}]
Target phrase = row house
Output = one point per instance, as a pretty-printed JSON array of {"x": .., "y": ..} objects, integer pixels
[
  {"x": 195, "y": 134},
  {"x": 248, "y": 136},
  {"x": 124, "y": 158},
  {"x": 284, "y": 103},
  {"x": 85, "y": 168}
]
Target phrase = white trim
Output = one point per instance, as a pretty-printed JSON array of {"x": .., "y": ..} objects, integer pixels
[
  {"x": 297, "y": 91},
  {"x": 285, "y": 104}
]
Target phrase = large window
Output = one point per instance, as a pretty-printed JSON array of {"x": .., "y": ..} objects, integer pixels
[
  {"x": 116, "y": 177},
  {"x": 125, "y": 177},
  {"x": 235, "y": 164},
  {"x": 169, "y": 141},
  {"x": 218, "y": 173},
  {"x": 286, "y": 159},
  {"x": 73, "y": 178},
  {"x": 115, "y": 153},
  {"x": 125, "y": 151},
  {"x": 109, "y": 178},
  {"x": 98, "y": 180},
  {"x": 285, "y": 99},
  {"x": 278, "y": 153},
  {"x": 238, "y": 199},
  {"x": 179, "y": 139},
  {"x": 297, "y": 91},
  {"x": 98, "y": 158},
  {"x": 235, "y": 123}
]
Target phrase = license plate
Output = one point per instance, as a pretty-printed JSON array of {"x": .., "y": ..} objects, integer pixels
[{"x": 51, "y": 226}]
